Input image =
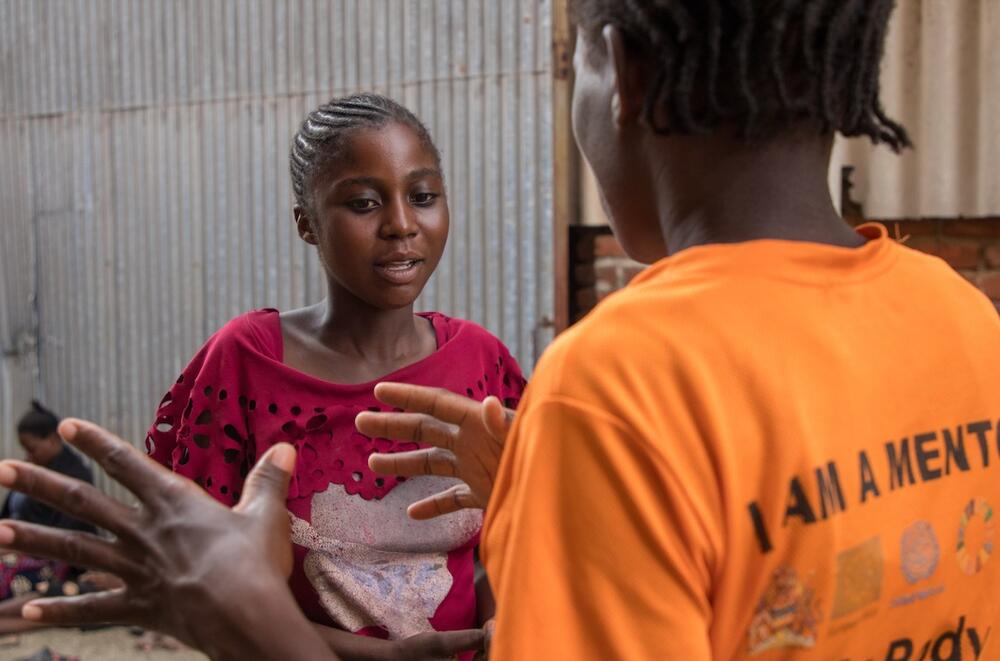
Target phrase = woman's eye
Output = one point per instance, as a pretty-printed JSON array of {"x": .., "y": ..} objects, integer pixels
[
  {"x": 362, "y": 204},
  {"x": 424, "y": 199}
]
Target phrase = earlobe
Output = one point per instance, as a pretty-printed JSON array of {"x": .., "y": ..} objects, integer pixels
[{"x": 304, "y": 225}]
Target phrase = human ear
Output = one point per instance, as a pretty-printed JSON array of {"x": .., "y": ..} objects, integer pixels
[
  {"x": 304, "y": 225},
  {"x": 626, "y": 77}
]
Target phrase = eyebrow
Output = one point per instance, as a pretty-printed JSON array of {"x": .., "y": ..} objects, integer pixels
[
  {"x": 372, "y": 182},
  {"x": 424, "y": 172}
]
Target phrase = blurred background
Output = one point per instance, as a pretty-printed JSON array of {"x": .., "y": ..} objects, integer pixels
[{"x": 144, "y": 193}]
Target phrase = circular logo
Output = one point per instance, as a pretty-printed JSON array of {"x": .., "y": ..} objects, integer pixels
[
  {"x": 919, "y": 552},
  {"x": 972, "y": 555}
]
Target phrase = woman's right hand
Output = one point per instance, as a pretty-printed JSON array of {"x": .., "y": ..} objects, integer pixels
[{"x": 468, "y": 439}]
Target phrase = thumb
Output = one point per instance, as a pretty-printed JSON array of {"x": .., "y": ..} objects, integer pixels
[
  {"x": 496, "y": 419},
  {"x": 266, "y": 487}
]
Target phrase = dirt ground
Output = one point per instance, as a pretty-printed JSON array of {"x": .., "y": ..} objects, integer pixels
[{"x": 115, "y": 644}]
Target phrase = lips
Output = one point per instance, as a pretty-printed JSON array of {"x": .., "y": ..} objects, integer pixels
[{"x": 400, "y": 269}]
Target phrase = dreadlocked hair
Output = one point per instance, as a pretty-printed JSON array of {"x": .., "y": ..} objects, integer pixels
[
  {"x": 38, "y": 421},
  {"x": 320, "y": 139},
  {"x": 759, "y": 64}
]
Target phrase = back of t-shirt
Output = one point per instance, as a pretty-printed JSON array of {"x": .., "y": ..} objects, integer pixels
[{"x": 769, "y": 450}]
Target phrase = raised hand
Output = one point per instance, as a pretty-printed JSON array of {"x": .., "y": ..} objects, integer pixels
[
  {"x": 210, "y": 576},
  {"x": 468, "y": 439}
]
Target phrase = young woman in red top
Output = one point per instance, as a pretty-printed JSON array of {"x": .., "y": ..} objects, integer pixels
[{"x": 370, "y": 196}]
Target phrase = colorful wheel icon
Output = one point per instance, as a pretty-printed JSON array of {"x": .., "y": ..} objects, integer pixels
[{"x": 972, "y": 559}]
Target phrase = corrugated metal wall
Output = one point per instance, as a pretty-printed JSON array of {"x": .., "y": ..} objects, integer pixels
[
  {"x": 941, "y": 79},
  {"x": 144, "y": 180}
]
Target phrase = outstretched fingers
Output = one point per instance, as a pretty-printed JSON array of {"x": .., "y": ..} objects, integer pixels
[
  {"x": 78, "y": 499},
  {"x": 111, "y": 607},
  {"x": 416, "y": 427},
  {"x": 435, "y": 402},
  {"x": 458, "y": 497},
  {"x": 429, "y": 461},
  {"x": 122, "y": 462},
  {"x": 77, "y": 549}
]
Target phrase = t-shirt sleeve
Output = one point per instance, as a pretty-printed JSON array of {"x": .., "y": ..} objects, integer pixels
[
  {"x": 590, "y": 548},
  {"x": 201, "y": 429},
  {"x": 511, "y": 381},
  {"x": 162, "y": 439}
]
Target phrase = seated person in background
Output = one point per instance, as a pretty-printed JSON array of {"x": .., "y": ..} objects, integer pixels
[{"x": 23, "y": 577}]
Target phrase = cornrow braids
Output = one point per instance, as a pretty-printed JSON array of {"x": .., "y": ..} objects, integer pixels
[
  {"x": 320, "y": 139},
  {"x": 761, "y": 65},
  {"x": 38, "y": 421}
]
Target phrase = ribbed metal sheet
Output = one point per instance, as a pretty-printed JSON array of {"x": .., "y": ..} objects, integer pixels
[
  {"x": 941, "y": 79},
  {"x": 145, "y": 166}
]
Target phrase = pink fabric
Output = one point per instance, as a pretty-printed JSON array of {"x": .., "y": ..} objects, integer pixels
[{"x": 237, "y": 398}]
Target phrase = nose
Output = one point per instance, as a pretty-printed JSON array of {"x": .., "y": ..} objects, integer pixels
[{"x": 399, "y": 221}]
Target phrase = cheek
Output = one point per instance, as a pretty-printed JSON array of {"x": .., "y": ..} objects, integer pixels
[
  {"x": 344, "y": 249},
  {"x": 435, "y": 226}
]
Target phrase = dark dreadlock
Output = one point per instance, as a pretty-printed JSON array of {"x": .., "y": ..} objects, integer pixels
[
  {"x": 321, "y": 135},
  {"x": 39, "y": 421},
  {"x": 760, "y": 64}
]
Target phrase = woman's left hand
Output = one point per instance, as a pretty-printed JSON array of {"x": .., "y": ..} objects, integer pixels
[{"x": 468, "y": 438}]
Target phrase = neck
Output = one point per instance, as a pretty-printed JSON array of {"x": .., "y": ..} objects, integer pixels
[
  {"x": 728, "y": 191},
  {"x": 351, "y": 326}
]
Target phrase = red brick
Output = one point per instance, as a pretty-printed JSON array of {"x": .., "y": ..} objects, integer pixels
[
  {"x": 607, "y": 246},
  {"x": 970, "y": 275},
  {"x": 606, "y": 272},
  {"x": 583, "y": 274},
  {"x": 989, "y": 283},
  {"x": 911, "y": 227},
  {"x": 960, "y": 255},
  {"x": 972, "y": 227},
  {"x": 584, "y": 249},
  {"x": 925, "y": 244},
  {"x": 631, "y": 270},
  {"x": 991, "y": 254},
  {"x": 586, "y": 299}
]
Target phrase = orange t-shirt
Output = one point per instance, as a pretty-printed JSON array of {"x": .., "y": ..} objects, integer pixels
[{"x": 769, "y": 449}]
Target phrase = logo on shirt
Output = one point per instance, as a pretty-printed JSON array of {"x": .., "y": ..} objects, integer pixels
[
  {"x": 976, "y": 530},
  {"x": 919, "y": 552},
  {"x": 786, "y": 616},
  {"x": 859, "y": 577},
  {"x": 919, "y": 555}
]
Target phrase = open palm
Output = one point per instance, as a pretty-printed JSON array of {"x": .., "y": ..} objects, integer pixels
[{"x": 467, "y": 438}]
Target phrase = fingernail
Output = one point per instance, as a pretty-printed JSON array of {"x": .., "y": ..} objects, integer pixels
[
  {"x": 31, "y": 612},
  {"x": 6, "y": 535},
  {"x": 68, "y": 429},
  {"x": 7, "y": 474},
  {"x": 283, "y": 456}
]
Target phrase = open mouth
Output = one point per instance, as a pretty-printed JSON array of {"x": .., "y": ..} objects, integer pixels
[{"x": 399, "y": 272}]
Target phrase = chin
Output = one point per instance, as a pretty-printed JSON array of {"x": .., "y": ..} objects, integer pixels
[{"x": 396, "y": 300}]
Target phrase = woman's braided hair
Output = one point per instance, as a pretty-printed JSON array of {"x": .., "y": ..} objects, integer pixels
[
  {"x": 321, "y": 137},
  {"x": 758, "y": 64}
]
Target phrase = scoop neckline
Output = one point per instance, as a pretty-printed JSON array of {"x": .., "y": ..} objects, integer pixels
[{"x": 436, "y": 319}]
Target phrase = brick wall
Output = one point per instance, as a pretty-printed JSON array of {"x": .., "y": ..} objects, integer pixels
[{"x": 598, "y": 266}]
